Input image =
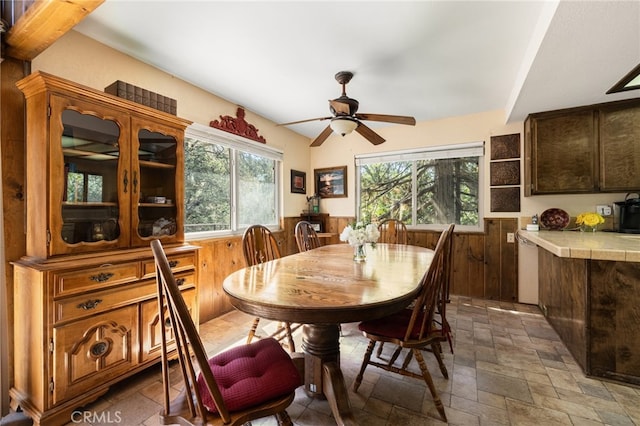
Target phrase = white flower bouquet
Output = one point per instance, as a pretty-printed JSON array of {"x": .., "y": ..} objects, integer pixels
[{"x": 360, "y": 233}]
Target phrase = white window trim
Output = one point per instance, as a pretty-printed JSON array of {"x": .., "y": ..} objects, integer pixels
[
  {"x": 461, "y": 150},
  {"x": 238, "y": 143}
]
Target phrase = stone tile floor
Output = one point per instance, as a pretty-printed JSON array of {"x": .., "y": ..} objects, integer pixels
[{"x": 508, "y": 367}]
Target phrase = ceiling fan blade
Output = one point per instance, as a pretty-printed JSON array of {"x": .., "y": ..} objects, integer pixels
[
  {"x": 322, "y": 136},
  {"x": 371, "y": 136},
  {"x": 398, "y": 119},
  {"x": 304, "y": 121},
  {"x": 340, "y": 107}
]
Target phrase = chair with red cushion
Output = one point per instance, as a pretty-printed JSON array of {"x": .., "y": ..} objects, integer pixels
[
  {"x": 234, "y": 387},
  {"x": 414, "y": 329}
]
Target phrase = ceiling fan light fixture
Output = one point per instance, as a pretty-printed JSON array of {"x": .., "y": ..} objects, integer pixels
[{"x": 343, "y": 125}]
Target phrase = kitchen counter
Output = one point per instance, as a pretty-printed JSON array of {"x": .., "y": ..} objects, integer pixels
[
  {"x": 599, "y": 245},
  {"x": 589, "y": 291}
]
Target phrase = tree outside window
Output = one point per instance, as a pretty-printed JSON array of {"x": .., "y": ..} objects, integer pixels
[
  {"x": 420, "y": 191},
  {"x": 229, "y": 184}
]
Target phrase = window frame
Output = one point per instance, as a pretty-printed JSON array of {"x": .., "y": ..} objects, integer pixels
[
  {"x": 461, "y": 150},
  {"x": 235, "y": 144}
]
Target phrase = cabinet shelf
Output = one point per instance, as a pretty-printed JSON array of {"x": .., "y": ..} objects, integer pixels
[
  {"x": 155, "y": 205},
  {"x": 89, "y": 204},
  {"x": 88, "y": 155},
  {"x": 154, "y": 165}
]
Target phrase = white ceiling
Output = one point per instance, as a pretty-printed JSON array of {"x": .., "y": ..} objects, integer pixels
[{"x": 427, "y": 59}]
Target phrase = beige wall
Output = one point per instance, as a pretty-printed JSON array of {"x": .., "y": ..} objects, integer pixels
[{"x": 85, "y": 61}]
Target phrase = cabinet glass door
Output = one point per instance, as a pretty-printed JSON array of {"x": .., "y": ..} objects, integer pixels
[
  {"x": 90, "y": 209},
  {"x": 157, "y": 160}
]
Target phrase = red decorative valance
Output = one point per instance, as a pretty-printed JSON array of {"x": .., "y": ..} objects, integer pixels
[{"x": 238, "y": 126}]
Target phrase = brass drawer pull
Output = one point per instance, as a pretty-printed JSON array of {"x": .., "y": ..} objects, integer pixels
[
  {"x": 180, "y": 281},
  {"x": 173, "y": 263},
  {"x": 101, "y": 277},
  {"x": 90, "y": 304}
]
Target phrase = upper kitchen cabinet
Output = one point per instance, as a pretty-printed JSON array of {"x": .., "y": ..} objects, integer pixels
[
  {"x": 583, "y": 150},
  {"x": 620, "y": 147},
  {"x": 102, "y": 172}
]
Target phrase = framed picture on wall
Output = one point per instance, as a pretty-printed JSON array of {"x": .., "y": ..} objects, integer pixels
[
  {"x": 331, "y": 182},
  {"x": 298, "y": 182}
]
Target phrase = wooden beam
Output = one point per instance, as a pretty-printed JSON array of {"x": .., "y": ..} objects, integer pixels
[{"x": 43, "y": 23}]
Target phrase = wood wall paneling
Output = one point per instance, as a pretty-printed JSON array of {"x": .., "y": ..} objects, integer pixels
[{"x": 501, "y": 260}]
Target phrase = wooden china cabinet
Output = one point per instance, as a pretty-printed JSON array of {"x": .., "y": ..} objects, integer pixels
[{"x": 104, "y": 178}]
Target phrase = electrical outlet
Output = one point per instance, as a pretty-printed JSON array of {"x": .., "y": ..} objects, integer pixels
[
  {"x": 604, "y": 210},
  {"x": 511, "y": 237}
]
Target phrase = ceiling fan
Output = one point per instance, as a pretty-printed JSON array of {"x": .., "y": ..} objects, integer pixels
[{"x": 346, "y": 118}]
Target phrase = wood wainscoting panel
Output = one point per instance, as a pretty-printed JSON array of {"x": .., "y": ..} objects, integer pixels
[{"x": 501, "y": 259}]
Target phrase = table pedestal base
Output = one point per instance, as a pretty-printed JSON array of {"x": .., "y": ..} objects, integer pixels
[{"x": 323, "y": 378}]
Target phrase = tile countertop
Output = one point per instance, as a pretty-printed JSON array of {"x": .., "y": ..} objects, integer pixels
[{"x": 587, "y": 245}]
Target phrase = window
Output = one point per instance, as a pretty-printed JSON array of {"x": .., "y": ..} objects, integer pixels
[
  {"x": 429, "y": 186},
  {"x": 83, "y": 187},
  {"x": 230, "y": 182}
]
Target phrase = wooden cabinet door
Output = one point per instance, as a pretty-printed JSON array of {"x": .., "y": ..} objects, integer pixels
[
  {"x": 88, "y": 166},
  {"x": 93, "y": 351},
  {"x": 619, "y": 149},
  {"x": 563, "y": 153},
  {"x": 157, "y": 191},
  {"x": 150, "y": 326}
]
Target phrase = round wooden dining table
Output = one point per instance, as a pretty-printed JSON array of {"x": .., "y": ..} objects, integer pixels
[{"x": 323, "y": 288}]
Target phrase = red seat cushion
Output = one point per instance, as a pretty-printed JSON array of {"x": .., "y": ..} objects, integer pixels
[
  {"x": 392, "y": 326},
  {"x": 251, "y": 374}
]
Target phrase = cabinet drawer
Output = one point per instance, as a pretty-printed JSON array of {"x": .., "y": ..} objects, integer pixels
[
  {"x": 100, "y": 301},
  {"x": 178, "y": 263},
  {"x": 69, "y": 283}
]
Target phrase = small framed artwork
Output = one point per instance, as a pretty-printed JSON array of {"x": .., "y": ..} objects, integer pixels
[
  {"x": 298, "y": 182},
  {"x": 505, "y": 146},
  {"x": 505, "y": 172},
  {"x": 331, "y": 182},
  {"x": 505, "y": 199}
]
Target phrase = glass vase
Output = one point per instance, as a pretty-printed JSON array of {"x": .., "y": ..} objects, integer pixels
[
  {"x": 587, "y": 228},
  {"x": 359, "y": 253}
]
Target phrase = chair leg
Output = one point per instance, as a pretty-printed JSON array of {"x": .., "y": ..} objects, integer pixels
[
  {"x": 252, "y": 331},
  {"x": 292, "y": 346},
  {"x": 436, "y": 348},
  {"x": 380, "y": 346},
  {"x": 427, "y": 378},
  {"x": 365, "y": 361},
  {"x": 284, "y": 419},
  {"x": 395, "y": 355}
]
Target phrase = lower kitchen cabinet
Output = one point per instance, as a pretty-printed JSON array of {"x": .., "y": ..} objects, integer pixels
[
  {"x": 593, "y": 306},
  {"x": 85, "y": 322}
]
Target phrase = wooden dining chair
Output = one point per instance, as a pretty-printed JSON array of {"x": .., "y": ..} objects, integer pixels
[
  {"x": 413, "y": 329},
  {"x": 393, "y": 231},
  {"x": 306, "y": 236},
  {"x": 234, "y": 387},
  {"x": 259, "y": 246}
]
